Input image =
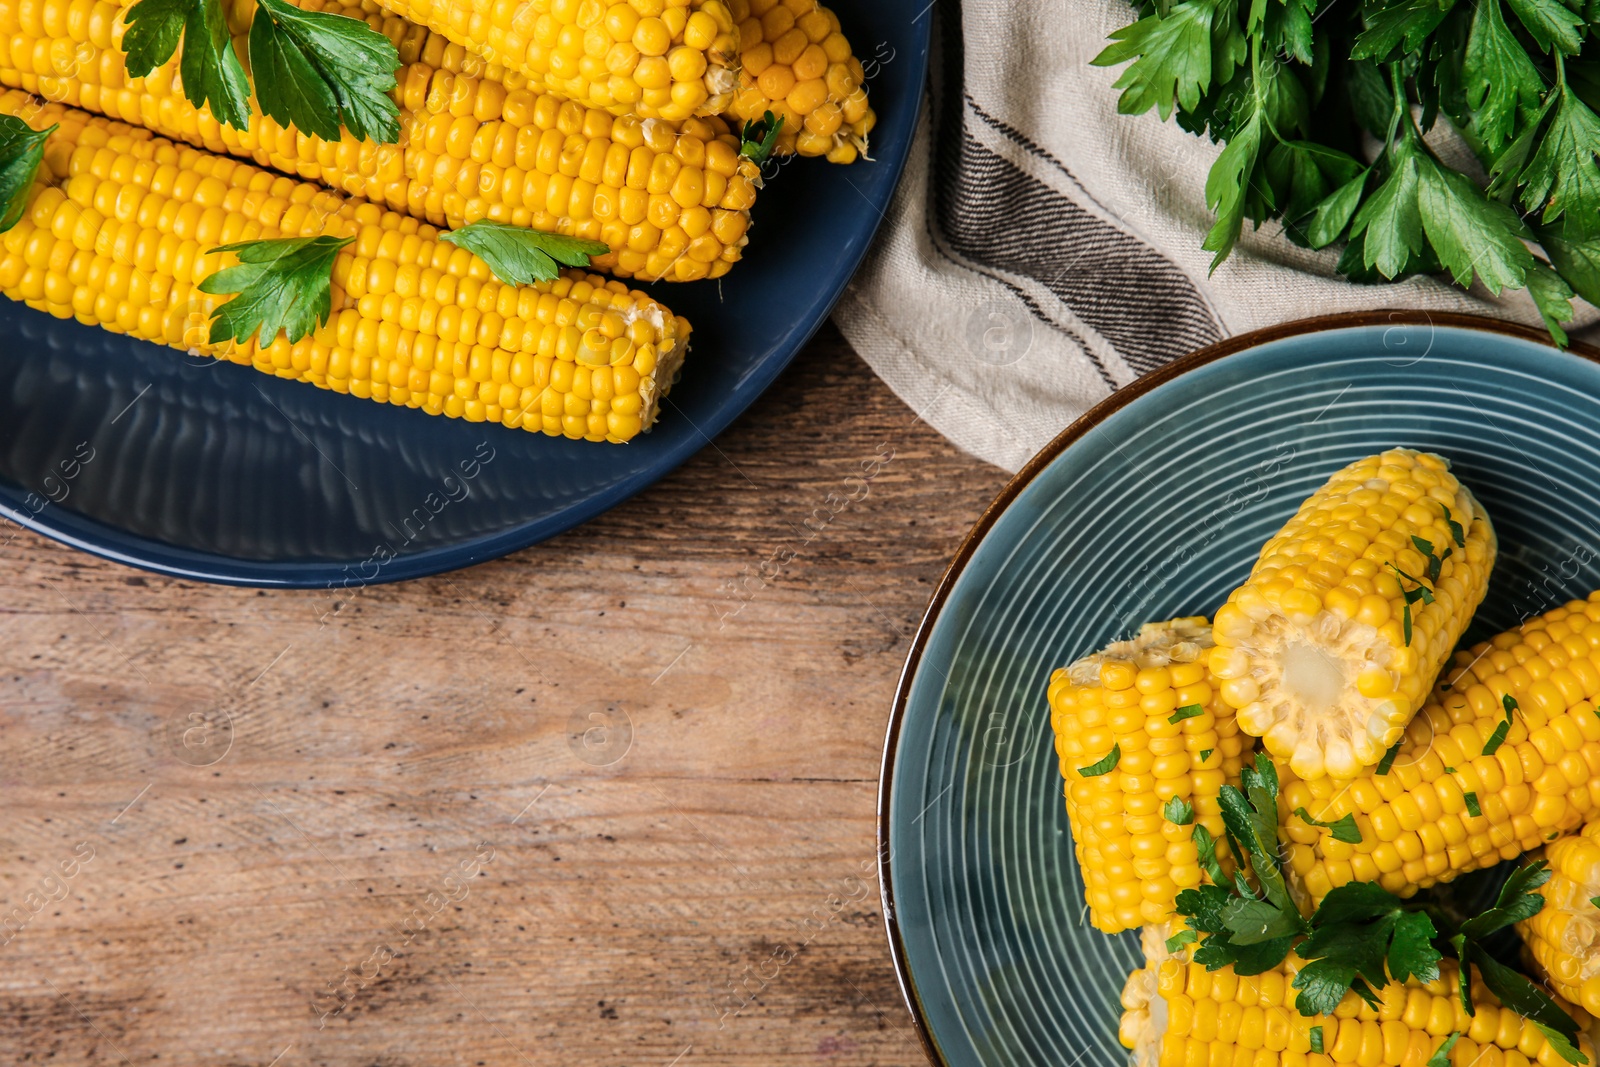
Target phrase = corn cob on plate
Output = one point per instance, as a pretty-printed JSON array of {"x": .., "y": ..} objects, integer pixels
[
  {"x": 377, "y": 507},
  {"x": 1154, "y": 507}
]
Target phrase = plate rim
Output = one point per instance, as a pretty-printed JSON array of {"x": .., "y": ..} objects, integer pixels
[
  {"x": 1024, "y": 477},
  {"x": 102, "y": 540}
]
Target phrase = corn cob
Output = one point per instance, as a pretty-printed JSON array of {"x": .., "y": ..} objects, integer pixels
[
  {"x": 1563, "y": 939},
  {"x": 117, "y": 233},
  {"x": 1542, "y": 779},
  {"x": 1178, "y": 1014},
  {"x": 662, "y": 59},
  {"x": 1134, "y": 860},
  {"x": 1322, "y": 651},
  {"x": 671, "y": 200},
  {"x": 796, "y": 63}
]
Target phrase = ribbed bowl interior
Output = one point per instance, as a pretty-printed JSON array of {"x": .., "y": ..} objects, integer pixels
[{"x": 1159, "y": 510}]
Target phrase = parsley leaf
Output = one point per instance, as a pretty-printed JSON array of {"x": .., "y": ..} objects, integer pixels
[
  {"x": 1496, "y": 739},
  {"x": 1472, "y": 234},
  {"x": 1180, "y": 939},
  {"x": 1205, "y": 754},
  {"x": 1398, "y": 25},
  {"x": 1550, "y": 23},
  {"x": 760, "y": 138},
  {"x": 1392, "y": 213},
  {"x": 1315, "y": 1037},
  {"x": 21, "y": 152},
  {"x": 209, "y": 69},
  {"x": 316, "y": 71},
  {"x": 1561, "y": 172},
  {"x": 1516, "y": 992},
  {"x": 1473, "y": 809},
  {"x": 1388, "y": 757},
  {"x": 1188, "y": 711},
  {"x": 1441, "y": 1055},
  {"x": 1103, "y": 766},
  {"x": 1178, "y": 811},
  {"x": 1517, "y": 901},
  {"x": 283, "y": 284},
  {"x": 1553, "y": 297},
  {"x": 1344, "y": 828},
  {"x": 518, "y": 255},
  {"x": 1361, "y": 929},
  {"x": 1456, "y": 532},
  {"x": 1174, "y": 59},
  {"x": 1500, "y": 79}
]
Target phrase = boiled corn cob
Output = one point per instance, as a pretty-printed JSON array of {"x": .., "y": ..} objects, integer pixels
[
  {"x": 662, "y": 59},
  {"x": 797, "y": 64},
  {"x": 1315, "y": 650},
  {"x": 671, "y": 200},
  {"x": 118, "y": 231},
  {"x": 1541, "y": 780},
  {"x": 1178, "y": 1014},
  {"x": 1135, "y": 861},
  {"x": 1563, "y": 939}
]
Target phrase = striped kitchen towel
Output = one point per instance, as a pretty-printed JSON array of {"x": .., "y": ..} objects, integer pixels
[{"x": 1043, "y": 250}]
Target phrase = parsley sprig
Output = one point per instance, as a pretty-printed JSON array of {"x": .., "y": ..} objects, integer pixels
[
  {"x": 1292, "y": 87},
  {"x": 1361, "y": 937},
  {"x": 283, "y": 284},
  {"x": 313, "y": 70},
  {"x": 518, "y": 255},
  {"x": 760, "y": 137},
  {"x": 21, "y": 152}
]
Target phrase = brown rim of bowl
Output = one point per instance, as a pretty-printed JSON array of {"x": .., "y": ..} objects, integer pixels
[{"x": 1093, "y": 417}]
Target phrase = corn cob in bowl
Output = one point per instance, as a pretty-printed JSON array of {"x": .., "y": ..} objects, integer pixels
[
  {"x": 1178, "y": 1014},
  {"x": 670, "y": 200},
  {"x": 122, "y": 227},
  {"x": 1141, "y": 737},
  {"x": 1330, "y": 646},
  {"x": 1504, "y": 757}
]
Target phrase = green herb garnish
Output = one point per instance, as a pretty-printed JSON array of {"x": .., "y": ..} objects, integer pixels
[
  {"x": 1361, "y": 937},
  {"x": 316, "y": 71},
  {"x": 1205, "y": 753},
  {"x": 1418, "y": 592},
  {"x": 518, "y": 255},
  {"x": 760, "y": 138},
  {"x": 1316, "y": 1039},
  {"x": 1441, "y": 1055},
  {"x": 1456, "y": 532},
  {"x": 1178, "y": 811},
  {"x": 1104, "y": 766},
  {"x": 1293, "y": 89},
  {"x": 1343, "y": 828},
  {"x": 1188, "y": 711},
  {"x": 209, "y": 69},
  {"x": 283, "y": 284},
  {"x": 1388, "y": 757},
  {"x": 1472, "y": 804},
  {"x": 21, "y": 152},
  {"x": 1502, "y": 729},
  {"x": 1180, "y": 939},
  {"x": 1435, "y": 563}
]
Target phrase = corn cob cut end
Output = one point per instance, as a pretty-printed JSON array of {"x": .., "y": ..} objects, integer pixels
[
  {"x": 1563, "y": 939},
  {"x": 1157, "y": 644},
  {"x": 1314, "y": 650},
  {"x": 1144, "y": 1009}
]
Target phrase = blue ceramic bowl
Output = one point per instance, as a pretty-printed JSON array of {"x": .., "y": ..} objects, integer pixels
[
  {"x": 1154, "y": 505},
  {"x": 224, "y": 474}
]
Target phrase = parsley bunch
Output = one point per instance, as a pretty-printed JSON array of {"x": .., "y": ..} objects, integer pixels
[
  {"x": 1291, "y": 86},
  {"x": 1362, "y": 936}
]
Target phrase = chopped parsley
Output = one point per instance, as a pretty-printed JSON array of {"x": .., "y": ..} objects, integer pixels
[
  {"x": 1343, "y": 828},
  {"x": 1496, "y": 739},
  {"x": 1388, "y": 757},
  {"x": 1472, "y": 804},
  {"x": 1188, "y": 711},
  {"x": 1104, "y": 766}
]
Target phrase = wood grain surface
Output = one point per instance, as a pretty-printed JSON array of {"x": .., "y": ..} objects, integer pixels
[{"x": 607, "y": 801}]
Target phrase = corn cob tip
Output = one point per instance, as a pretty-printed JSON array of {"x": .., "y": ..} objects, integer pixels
[{"x": 1333, "y": 642}]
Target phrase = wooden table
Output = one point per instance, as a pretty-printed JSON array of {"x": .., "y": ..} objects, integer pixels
[{"x": 607, "y": 801}]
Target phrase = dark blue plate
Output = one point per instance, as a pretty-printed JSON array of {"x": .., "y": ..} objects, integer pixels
[{"x": 137, "y": 453}]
